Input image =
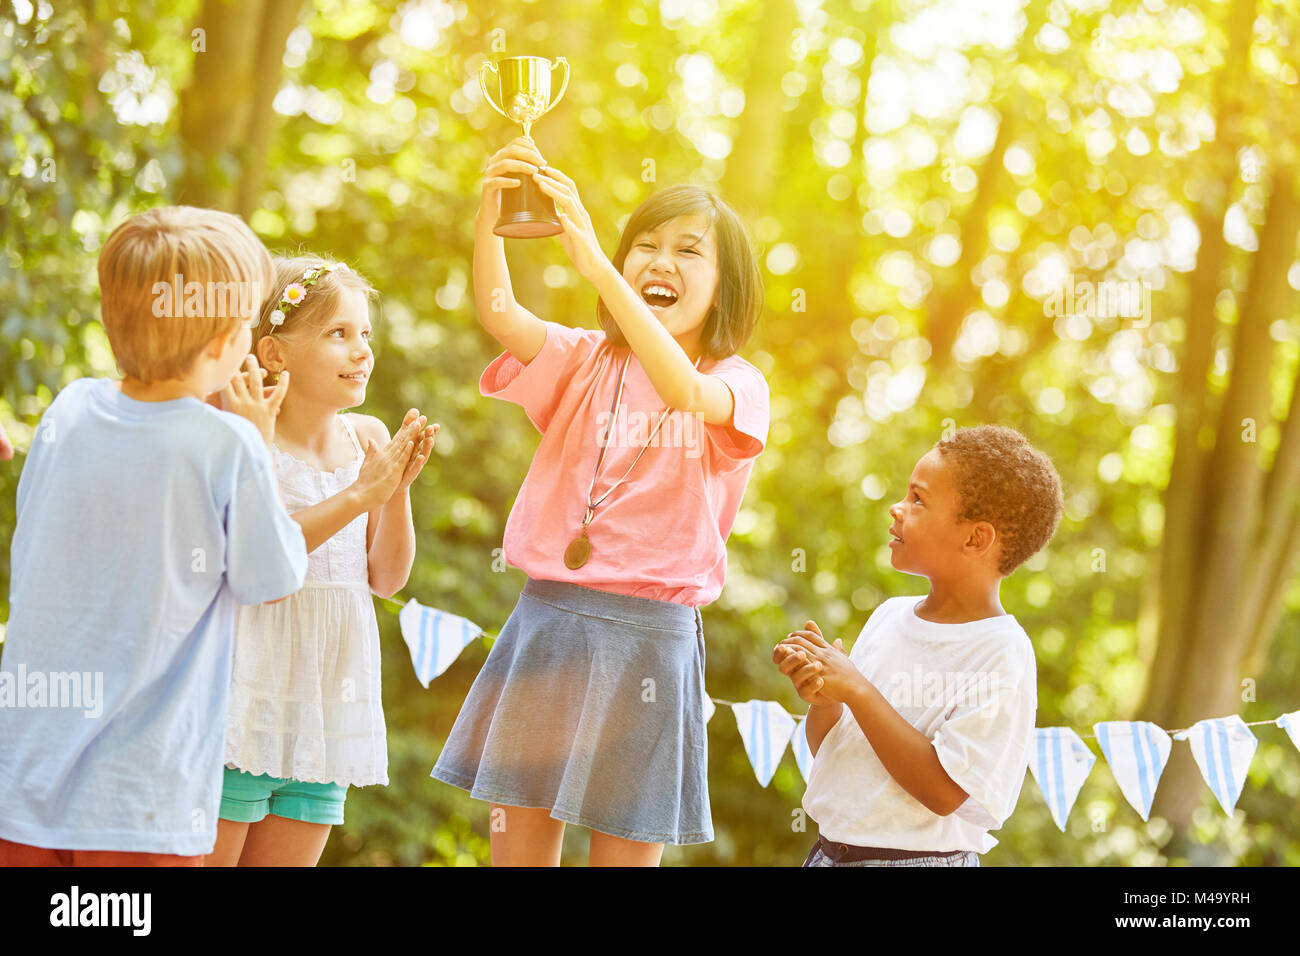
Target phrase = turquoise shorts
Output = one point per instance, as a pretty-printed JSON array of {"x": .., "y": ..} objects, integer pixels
[{"x": 248, "y": 798}]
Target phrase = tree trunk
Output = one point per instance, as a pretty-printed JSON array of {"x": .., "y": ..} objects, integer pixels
[
  {"x": 278, "y": 21},
  {"x": 1195, "y": 670},
  {"x": 756, "y": 155},
  {"x": 948, "y": 302},
  {"x": 225, "y": 111}
]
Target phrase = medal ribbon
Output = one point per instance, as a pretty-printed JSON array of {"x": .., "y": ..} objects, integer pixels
[{"x": 604, "y": 447}]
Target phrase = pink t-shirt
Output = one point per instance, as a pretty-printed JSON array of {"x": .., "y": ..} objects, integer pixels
[{"x": 662, "y": 533}]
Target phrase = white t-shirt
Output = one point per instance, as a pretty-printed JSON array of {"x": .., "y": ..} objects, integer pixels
[{"x": 972, "y": 689}]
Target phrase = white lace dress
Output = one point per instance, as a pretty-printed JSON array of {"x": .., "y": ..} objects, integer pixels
[{"x": 305, "y": 696}]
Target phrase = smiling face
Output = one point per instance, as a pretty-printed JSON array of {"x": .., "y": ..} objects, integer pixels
[
  {"x": 328, "y": 362},
  {"x": 674, "y": 268},
  {"x": 926, "y": 537}
]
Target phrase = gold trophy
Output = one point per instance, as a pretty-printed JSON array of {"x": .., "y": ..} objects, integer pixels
[{"x": 524, "y": 96}]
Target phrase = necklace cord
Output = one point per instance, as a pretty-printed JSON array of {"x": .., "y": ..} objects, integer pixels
[{"x": 614, "y": 409}]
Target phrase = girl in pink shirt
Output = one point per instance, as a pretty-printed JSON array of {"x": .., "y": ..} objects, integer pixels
[{"x": 590, "y": 706}]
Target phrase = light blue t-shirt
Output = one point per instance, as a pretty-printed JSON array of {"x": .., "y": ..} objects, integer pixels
[{"x": 141, "y": 526}]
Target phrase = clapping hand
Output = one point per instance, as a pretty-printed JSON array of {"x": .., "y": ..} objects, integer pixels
[
  {"x": 805, "y": 658},
  {"x": 420, "y": 454},
  {"x": 246, "y": 396},
  {"x": 383, "y": 470}
]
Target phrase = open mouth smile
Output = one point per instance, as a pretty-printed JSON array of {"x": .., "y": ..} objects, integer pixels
[{"x": 659, "y": 295}]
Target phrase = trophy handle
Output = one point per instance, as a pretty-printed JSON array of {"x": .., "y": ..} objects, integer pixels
[
  {"x": 482, "y": 82},
  {"x": 564, "y": 84}
]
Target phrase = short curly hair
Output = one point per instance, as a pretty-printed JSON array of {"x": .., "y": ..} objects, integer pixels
[{"x": 1000, "y": 478}]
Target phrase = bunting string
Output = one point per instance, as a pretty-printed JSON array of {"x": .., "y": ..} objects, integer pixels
[{"x": 1059, "y": 761}]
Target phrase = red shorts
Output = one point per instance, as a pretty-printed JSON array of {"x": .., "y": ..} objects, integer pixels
[{"x": 20, "y": 854}]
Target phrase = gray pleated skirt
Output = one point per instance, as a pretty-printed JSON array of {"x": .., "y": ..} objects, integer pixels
[{"x": 591, "y": 705}]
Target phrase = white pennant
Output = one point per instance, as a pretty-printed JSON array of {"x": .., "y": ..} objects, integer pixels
[
  {"x": 1223, "y": 748},
  {"x": 1060, "y": 763},
  {"x": 802, "y": 753},
  {"x": 1137, "y": 752},
  {"x": 765, "y": 729},
  {"x": 434, "y": 637},
  {"x": 708, "y": 709},
  {"x": 1291, "y": 724}
]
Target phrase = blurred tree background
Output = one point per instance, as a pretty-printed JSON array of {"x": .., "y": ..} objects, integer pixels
[{"x": 935, "y": 189}]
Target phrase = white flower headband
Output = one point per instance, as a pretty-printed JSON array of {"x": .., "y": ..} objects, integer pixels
[{"x": 295, "y": 292}]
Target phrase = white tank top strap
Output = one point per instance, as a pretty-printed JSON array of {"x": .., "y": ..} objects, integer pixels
[{"x": 352, "y": 434}]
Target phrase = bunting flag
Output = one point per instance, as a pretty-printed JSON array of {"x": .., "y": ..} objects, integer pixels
[
  {"x": 1223, "y": 748},
  {"x": 1137, "y": 752},
  {"x": 802, "y": 754},
  {"x": 1060, "y": 763},
  {"x": 1291, "y": 724},
  {"x": 435, "y": 638},
  {"x": 765, "y": 729}
]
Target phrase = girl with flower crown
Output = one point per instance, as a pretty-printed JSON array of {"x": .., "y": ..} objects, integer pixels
[{"x": 305, "y": 719}]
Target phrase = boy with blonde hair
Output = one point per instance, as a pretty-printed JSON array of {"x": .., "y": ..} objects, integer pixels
[{"x": 144, "y": 516}]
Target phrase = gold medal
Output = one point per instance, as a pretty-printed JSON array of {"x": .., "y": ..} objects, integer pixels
[{"x": 578, "y": 551}]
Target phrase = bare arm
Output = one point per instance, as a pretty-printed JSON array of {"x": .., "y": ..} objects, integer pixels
[
  {"x": 819, "y": 722},
  {"x": 672, "y": 373},
  {"x": 390, "y": 530},
  {"x": 518, "y": 330},
  {"x": 322, "y": 521},
  {"x": 392, "y": 548},
  {"x": 378, "y": 477},
  {"x": 907, "y": 754}
]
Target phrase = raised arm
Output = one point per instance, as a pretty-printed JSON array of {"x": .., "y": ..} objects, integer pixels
[
  {"x": 672, "y": 373},
  {"x": 518, "y": 330},
  {"x": 390, "y": 532},
  {"x": 670, "y": 370}
]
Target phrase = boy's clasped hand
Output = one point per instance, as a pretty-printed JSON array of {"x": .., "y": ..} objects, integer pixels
[{"x": 822, "y": 673}]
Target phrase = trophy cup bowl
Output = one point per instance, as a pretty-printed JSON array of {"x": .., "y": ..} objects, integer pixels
[{"x": 523, "y": 85}]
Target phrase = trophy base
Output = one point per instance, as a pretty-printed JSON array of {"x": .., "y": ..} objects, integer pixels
[
  {"x": 526, "y": 226},
  {"x": 526, "y": 212}
]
